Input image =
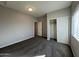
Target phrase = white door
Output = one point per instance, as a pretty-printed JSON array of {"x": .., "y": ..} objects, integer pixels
[{"x": 62, "y": 30}]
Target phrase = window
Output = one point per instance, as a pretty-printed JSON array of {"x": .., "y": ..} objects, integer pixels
[{"x": 75, "y": 23}]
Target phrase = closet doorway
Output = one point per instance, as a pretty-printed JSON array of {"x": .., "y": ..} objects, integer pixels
[{"x": 53, "y": 29}]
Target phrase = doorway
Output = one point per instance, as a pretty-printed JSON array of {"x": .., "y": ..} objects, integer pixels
[
  {"x": 38, "y": 28},
  {"x": 53, "y": 29}
]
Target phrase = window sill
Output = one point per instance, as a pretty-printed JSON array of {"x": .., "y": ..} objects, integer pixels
[{"x": 76, "y": 37}]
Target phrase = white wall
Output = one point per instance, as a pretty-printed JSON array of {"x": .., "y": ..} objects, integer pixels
[
  {"x": 63, "y": 17},
  {"x": 14, "y": 26},
  {"x": 39, "y": 28}
]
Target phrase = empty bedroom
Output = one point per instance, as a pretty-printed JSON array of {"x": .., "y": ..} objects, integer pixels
[{"x": 39, "y": 28}]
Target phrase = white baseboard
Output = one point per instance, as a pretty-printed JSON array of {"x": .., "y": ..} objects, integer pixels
[{"x": 10, "y": 43}]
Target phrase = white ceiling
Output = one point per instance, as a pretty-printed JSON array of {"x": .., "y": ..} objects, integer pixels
[{"x": 39, "y": 7}]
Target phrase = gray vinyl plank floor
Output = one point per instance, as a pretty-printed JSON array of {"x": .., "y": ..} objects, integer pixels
[{"x": 35, "y": 47}]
